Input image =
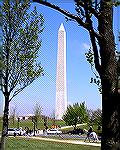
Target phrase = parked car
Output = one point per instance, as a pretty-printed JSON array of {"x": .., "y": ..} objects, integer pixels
[
  {"x": 53, "y": 131},
  {"x": 11, "y": 131},
  {"x": 14, "y": 131},
  {"x": 19, "y": 131},
  {"x": 76, "y": 131}
]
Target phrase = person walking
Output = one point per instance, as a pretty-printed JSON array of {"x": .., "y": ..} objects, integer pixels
[{"x": 88, "y": 133}]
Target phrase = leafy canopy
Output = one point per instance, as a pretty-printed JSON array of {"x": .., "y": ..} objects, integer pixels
[
  {"x": 21, "y": 29},
  {"x": 75, "y": 114}
]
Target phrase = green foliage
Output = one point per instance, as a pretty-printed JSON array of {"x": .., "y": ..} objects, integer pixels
[
  {"x": 75, "y": 114},
  {"x": 96, "y": 80},
  {"x": 116, "y": 3},
  {"x": 28, "y": 144},
  {"x": 90, "y": 57},
  {"x": 21, "y": 43}
]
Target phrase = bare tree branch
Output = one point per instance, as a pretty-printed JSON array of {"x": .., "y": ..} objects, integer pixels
[
  {"x": 96, "y": 56},
  {"x": 93, "y": 40},
  {"x": 20, "y": 89},
  {"x": 70, "y": 15},
  {"x": 91, "y": 9}
]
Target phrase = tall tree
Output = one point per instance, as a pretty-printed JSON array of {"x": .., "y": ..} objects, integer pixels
[
  {"x": 96, "y": 16},
  {"x": 21, "y": 30},
  {"x": 75, "y": 114},
  {"x": 37, "y": 113}
]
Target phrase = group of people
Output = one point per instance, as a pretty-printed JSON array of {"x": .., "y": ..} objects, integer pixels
[
  {"x": 28, "y": 131},
  {"x": 25, "y": 132}
]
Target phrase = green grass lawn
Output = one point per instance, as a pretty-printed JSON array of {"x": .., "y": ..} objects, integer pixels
[
  {"x": 25, "y": 144},
  {"x": 60, "y": 137},
  {"x": 29, "y": 124}
]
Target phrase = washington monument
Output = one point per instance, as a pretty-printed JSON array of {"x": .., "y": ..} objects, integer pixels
[{"x": 61, "y": 91}]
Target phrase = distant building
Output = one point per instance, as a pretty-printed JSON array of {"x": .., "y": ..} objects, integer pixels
[
  {"x": 61, "y": 91},
  {"x": 25, "y": 117}
]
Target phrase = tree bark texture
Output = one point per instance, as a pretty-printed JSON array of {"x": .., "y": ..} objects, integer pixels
[
  {"x": 5, "y": 124},
  {"x": 109, "y": 78},
  {"x": 107, "y": 69}
]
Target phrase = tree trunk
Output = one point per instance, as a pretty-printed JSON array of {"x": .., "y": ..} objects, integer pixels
[
  {"x": 108, "y": 74},
  {"x": 109, "y": 78},
  {"x": 5, "y": 124},
  {"x": 111, "y": 122}
]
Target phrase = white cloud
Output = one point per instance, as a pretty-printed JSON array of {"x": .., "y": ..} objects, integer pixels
[{"x": 86, "y": 46}]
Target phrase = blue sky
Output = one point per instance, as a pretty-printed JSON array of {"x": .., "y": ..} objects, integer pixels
[{"x": 79, "y": 72}]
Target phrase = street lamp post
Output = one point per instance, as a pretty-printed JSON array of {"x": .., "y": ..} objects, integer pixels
[
  {"x": 45, "y": 122},
  {"x": 34, "y": 123},
  {"x": 18, "y": 124}
]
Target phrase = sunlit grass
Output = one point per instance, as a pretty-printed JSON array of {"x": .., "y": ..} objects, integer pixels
[{"x": 30, "y": 144}]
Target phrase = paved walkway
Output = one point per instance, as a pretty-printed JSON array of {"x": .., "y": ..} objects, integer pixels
[
  {"x": 63, "y": 141},
  {"x": 78, "y": 125}
]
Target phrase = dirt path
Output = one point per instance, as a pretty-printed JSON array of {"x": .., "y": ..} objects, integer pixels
[{"x": 63, "y": 141}]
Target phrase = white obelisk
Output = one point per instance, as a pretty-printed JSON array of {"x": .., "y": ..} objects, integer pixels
[{"x": 61, "y": 91}]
